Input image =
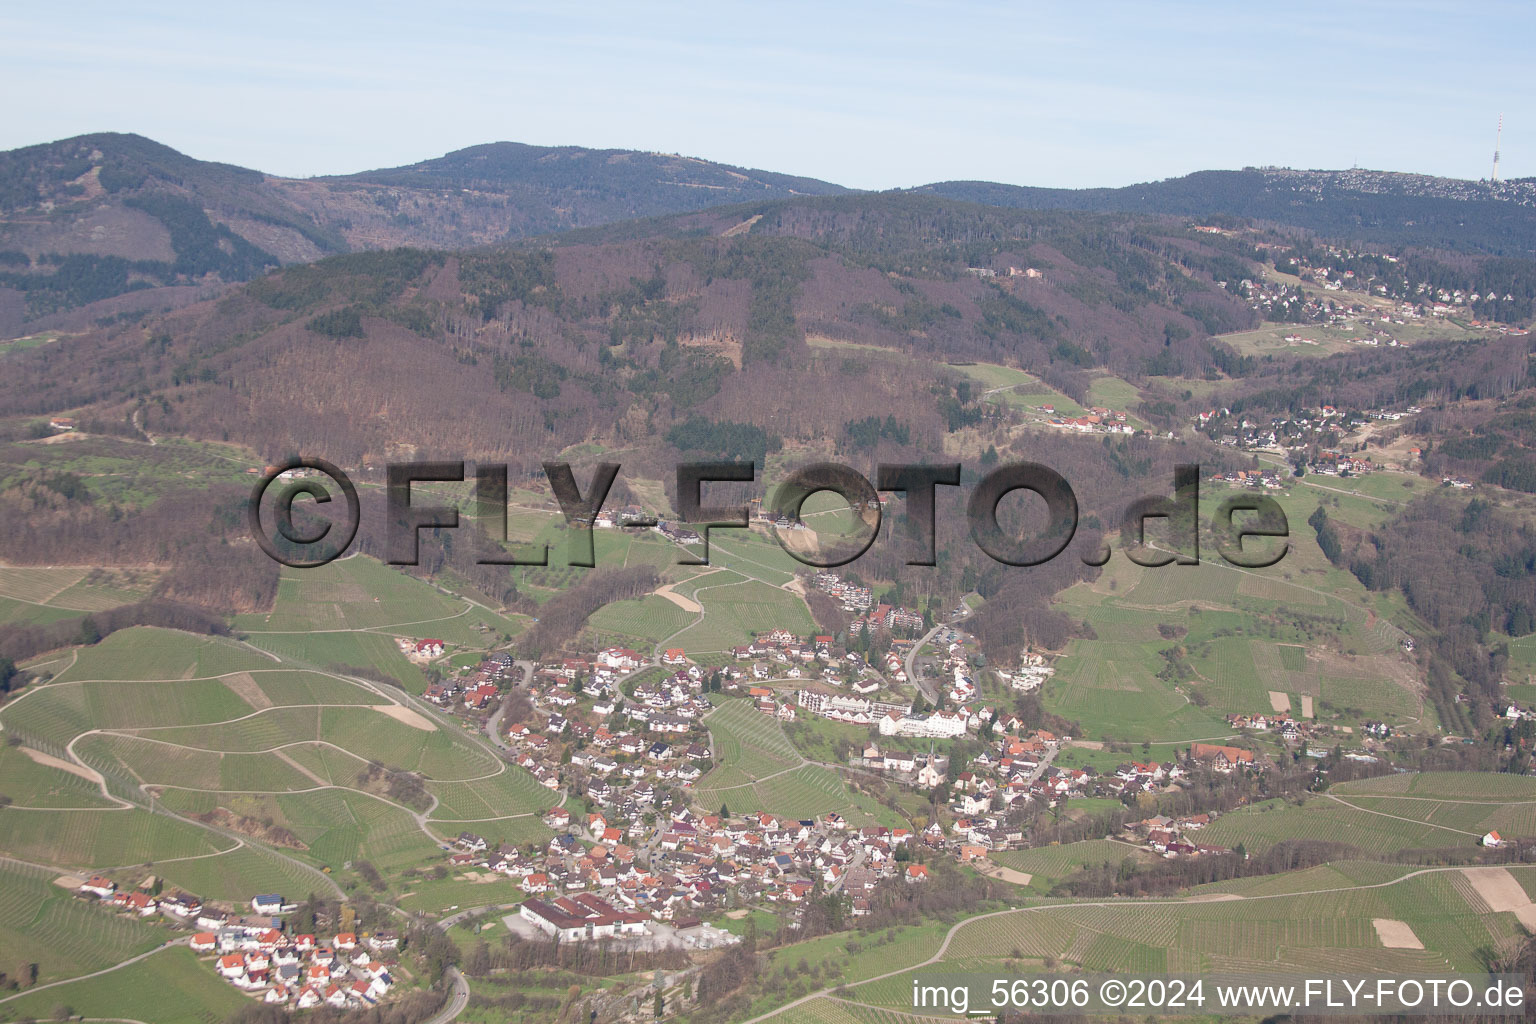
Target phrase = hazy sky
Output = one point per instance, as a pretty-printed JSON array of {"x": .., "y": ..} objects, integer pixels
[{"x": 868, "y": 95}]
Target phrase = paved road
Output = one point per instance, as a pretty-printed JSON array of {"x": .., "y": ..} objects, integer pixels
[
  {"x": 929, "y": 691},
  {"x": 853, "y": 865},
  {"x": 493, "y": 724},
  {"x": 458, "y": 998}
]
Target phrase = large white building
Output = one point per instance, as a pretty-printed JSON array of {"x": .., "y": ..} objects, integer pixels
[
  {"x": 939, "y": 725},
  {"x": 580, "y": 917},
  {"x": 858, "y": 710}
]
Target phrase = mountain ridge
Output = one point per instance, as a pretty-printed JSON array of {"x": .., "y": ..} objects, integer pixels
[
  {"x": 1381, "y": 207},
  {"x": 111, "y": 224}
]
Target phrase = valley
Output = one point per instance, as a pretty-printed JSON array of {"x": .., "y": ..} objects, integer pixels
[{"x": 759, "y": 789}]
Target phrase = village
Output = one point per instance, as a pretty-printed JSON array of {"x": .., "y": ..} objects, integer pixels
[
  {"x": 252, "y": 948},
  {"x": 621, "y": 740},
  {"x": 1326, "y": 441},
  {"x": 625, "y": 740}
]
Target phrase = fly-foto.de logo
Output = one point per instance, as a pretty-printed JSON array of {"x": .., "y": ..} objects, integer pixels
[{"x": 322, "y": 540}]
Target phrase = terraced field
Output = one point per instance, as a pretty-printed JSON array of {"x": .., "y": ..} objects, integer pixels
[
  {"x": 151, "y": 762},
  {"x": 749, "y": 741},
  {"x": 101, "y": 838},
  {"x": 649, "y": 619},
  {"x": 40, "y": 594},
  {"x": 510, "y": 792},
  {"x": 758, "y": 769},
  {"x": 1050, "y": 864},
  {"x": 752, "y": 556},
  {"x": 239, "y": 733},
  {"x": 1305, "y": 929},
  {"x": 146, "y": 653},
  {"x": 1484, "y": 786},
  {"x": 516, "y": 830},
  {"x": 1320, "y": 919},
  {"x": 856, "y": 957},
  {"x": 30, "y": 784},
  {"x": 1260, "y": 827},
  {"x": 375, "y": 651},
  {"x": 338, "y": 826},
  {"x": 236, "y": 875},
  {"x": 734, "y": 613},
  {"x": 351, "y": 593},
  {"x": 63, "y": 935}
]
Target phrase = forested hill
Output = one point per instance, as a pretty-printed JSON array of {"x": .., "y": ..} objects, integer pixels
[
  {"x": 893, "y": 328},
  {"x": 1370, "y": 206},
  {"x": 603, "y": 335},
  {"x": 110, "y": 223},
  {"x": 593, "y": 186}
]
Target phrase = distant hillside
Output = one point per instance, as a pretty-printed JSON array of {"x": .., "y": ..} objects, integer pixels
[
  {"x": 1373, "y": 206},
  {"x": 109, "y": 223},
  {"x": 596, "y": 185},
  {"x": 712, "y": 313},
  {"x": 892, "y": 328}
]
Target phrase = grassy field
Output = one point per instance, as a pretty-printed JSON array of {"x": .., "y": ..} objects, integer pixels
[
  {"x": 1050, "y": 864},
  {"x": 173, "y": 987},
  {"x": 1299, "y": 629},
  {"x": 1008, "y": 386},
  {"x": 1263, "y": 825},
  {"x": 29, "y": 784},
  {"x": 733, "y": 613},
  {"x": 1329, "y": 339},
  {"x": 361, "y": 593},
  {"x": 758, "y": 769},
  {"x": 126, "y": 472}
]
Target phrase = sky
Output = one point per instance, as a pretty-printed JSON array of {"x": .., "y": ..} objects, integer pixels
[{"x": 867, "y": 95}]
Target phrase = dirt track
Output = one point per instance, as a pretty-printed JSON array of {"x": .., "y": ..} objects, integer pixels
[
  {"x": 406, "y": 716},
  {"x": 62, "y": 765}
]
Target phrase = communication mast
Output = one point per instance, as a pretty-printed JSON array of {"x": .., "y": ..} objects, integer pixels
[{"x": 1497, "y": 139}]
